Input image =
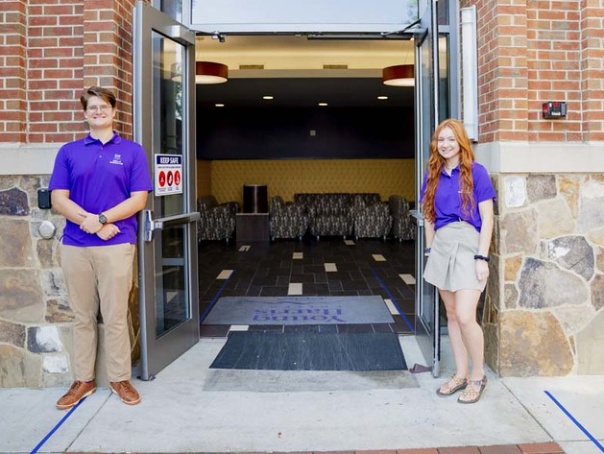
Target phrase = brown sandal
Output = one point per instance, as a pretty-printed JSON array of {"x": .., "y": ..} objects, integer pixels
[
  {"x": 454, "y": 384},
  {"x": 473, "y": 391}
]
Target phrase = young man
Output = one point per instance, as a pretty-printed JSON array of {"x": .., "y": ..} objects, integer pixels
[{"x": 100, "y": 183}]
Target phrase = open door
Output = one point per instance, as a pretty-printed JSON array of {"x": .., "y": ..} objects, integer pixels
[
  {"x": 164, "y": 119},
  {"x": 426, "y": 119}
]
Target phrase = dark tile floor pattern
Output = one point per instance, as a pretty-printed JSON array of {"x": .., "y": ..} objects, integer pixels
[{"x": 268, "y": 269}]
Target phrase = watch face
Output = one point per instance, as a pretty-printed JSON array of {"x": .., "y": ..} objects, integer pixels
[{"x": 102, "y": 219}]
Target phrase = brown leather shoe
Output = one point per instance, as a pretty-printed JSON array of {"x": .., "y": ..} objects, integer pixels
[
  {"x": 78, "y": 390},
  {"x": 125, "y": 391}
]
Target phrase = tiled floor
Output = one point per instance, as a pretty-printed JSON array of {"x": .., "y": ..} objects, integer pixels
[{"x": 329, "y": 267}]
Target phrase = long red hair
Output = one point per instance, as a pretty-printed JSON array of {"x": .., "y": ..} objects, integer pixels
[{"x": 436, "y": 163}]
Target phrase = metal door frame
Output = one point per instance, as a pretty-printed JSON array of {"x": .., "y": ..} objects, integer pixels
[{"x": 159, "y": 351}]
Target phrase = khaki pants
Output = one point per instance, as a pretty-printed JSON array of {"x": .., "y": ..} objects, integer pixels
[{"x": 100, "y": 278}]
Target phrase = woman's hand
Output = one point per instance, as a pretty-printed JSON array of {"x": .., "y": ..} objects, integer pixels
[
  {"x": 482, "y": 270},
  {"x": 108, "y": 231}
]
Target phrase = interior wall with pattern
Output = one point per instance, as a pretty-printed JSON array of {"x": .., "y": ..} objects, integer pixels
[{"x": 225, "y": 178}]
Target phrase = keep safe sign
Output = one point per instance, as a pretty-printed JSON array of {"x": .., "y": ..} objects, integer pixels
[{"x": 168, "y": 174}]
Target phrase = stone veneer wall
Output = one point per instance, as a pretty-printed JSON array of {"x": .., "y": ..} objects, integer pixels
[
  {"x": 544, "y": 309},
  {"x": 34, "y": 311},
  {"x": 36, "y": 319}
]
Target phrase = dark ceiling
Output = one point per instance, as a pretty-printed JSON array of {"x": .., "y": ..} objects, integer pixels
[{"x": 304, "y": 92}]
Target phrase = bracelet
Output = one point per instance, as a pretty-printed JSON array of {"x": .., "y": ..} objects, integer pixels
[
  {"x": 427, "y": 250},
  {"x": 486, "y": 258}
]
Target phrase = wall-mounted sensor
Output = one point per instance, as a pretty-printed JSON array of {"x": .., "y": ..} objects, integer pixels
[
  {"x": 554, "y": 109},
  {"x": 44, "y": 202}
]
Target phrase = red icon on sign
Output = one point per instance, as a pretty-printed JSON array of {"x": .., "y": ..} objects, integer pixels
[
  {"x": 162, "y": 179},
  {"x": 170, "y": 178},
  {"x": 177, "y": 178}
]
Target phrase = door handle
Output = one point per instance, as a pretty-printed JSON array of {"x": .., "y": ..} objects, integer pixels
[
  {"x": 160, "y": 224},
  {"x": 151, "y": 225},
  {"x": 147, "y": 226}
]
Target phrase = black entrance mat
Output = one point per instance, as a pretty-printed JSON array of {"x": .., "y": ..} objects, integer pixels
[
  {"x": 311, "y": 351},
  {"x": 299, "y": 310}
]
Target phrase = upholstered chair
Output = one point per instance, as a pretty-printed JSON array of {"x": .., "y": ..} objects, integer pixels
[
  {"x": 217, "y": 221},
  {"x": 403, "y": 227},
  {"x": 371, "y": 219},
  {"x": 329, "y": 214},
  {"x": 287, "y": 220}
]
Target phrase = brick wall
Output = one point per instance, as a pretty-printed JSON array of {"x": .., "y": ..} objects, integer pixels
[
  {"x": 12, "y": 71},
  {"x": 554, "y": 68},
  {"x": 592, "y": 65},
  {"x": 538, "y": 51},
  {"x": 50, "y": 51}
]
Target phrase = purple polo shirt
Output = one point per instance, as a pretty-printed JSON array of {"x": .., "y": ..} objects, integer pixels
[
  {"x": 448, "y": 203},
  {"x": 98, "y": 177}
]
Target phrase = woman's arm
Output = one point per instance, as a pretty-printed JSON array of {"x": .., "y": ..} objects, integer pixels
[
  {"x": 486, "y": 231},
  {"x": 428, "y": 232}
]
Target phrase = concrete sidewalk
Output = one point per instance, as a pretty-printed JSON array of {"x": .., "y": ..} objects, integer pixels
[{"x": 191, "y": 408}]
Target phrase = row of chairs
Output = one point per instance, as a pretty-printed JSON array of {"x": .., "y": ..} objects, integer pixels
[
  {"x": 293, "y": 220},
  {"x": 363, "y": 220}
]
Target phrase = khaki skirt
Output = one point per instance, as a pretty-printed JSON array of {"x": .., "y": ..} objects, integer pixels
[{"x": 451, "y": 265}]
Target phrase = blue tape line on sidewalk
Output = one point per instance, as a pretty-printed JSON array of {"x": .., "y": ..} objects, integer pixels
[
  {"x": 56, "y": 427},
  {"x": 577, "y": 423},
  {"x": 398, "y": 308}
]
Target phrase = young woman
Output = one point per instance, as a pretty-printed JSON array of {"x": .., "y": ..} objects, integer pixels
[{"x": 457, "y": 198}]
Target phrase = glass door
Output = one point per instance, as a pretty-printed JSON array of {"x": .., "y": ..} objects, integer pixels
[
  {"x": 426, "y": 119},
  {"x": 164, "y": 119}
]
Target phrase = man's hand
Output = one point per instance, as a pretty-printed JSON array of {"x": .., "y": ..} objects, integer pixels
[
  {"x": 108, "y": 231},
  {"x": 91, "y": 223}
]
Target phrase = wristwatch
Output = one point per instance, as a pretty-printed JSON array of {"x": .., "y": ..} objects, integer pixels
[{"x": 102, "y": 219}]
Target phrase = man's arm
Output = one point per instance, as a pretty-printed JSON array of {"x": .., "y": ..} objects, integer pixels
[
  {"x": 122, "y": 210},
  {"x": 62, "y": 204},
  {"x": 128, "y": 207}
]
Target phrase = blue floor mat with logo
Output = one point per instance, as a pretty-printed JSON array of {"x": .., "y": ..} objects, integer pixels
[{"x": 299, "y": 310}]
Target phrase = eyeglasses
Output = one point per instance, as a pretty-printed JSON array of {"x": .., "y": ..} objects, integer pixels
[{"x": 102, "y": 108}]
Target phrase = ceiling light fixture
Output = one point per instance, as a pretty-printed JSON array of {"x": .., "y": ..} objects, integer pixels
[
  {"x": 399, "y": 76},
  {"x": 208, "y": 72}
]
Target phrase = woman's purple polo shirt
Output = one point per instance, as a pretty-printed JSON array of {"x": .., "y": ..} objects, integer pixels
[
  {"x": 448, "y": 203},
  {"x": 98, "y": 177}
]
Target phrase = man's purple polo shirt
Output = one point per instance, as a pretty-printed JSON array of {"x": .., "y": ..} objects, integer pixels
[
  {"x": 448, "y": 203},
  {"x": 98, "y": 177}
]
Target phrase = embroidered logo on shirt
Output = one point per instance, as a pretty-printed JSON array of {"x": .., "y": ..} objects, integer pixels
[{"x": 117, "y": 159}]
